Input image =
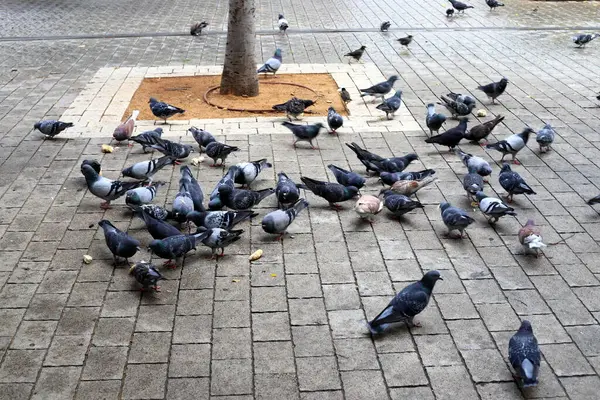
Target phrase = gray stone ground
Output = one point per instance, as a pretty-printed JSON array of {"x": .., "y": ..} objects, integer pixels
[{"x": 292, "y": 325}]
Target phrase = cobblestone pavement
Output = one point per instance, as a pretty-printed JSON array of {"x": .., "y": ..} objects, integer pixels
[{"x": 291, "y": 326}]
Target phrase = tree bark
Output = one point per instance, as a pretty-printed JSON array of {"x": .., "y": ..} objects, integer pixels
[{"x": 239, "y": 72}]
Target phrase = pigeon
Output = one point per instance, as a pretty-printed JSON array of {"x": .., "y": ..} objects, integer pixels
[
  {"x": 391, "y": 105},
  {"x": 196, "y": 29},
  {"x": 381, "y": 89},
  {"x": 334, "y": 120},
  {"x": 215, "y": 202},
  {"x": 433, "y": 120},
  {"x": 385, "y": 26},
  {"x": 119, "y": 243},
  {"x": 277, "y": 222},
  {"x": 512, "y": 144},
  {"x": 347, "y": 99},
  {"x": 175, "y": 150},
  {"x": 356, "y": 54},
  {"x": 158, "y": 229},
  {"x": 163, "y": 110},
  {"x": 493, "y": 208},
  {"x": 597, "y": 97},
  {"x": 217, "y": 238},
  {"x": 248, "y": 171},
  {"x": 458, "y": 6},
  {"x": 376, "y": 163},
  {"x": 524, "y": 355},
  {"x": 474, "y": 163},
  {"x": 411, "y": 301},
  {"x": 183, "y": 204},
  {"x": 408, "y": 188},
  {"x": 389, "y": 178},
  {"x": 472, "y": 183},
  {"x": 219, "y": 219},
  {"x": 449, "y": 12},
  {"x": 545, "y": 138},
  {"x": 145, "y": 170},
  {"x": 368, "y": 206},
  {"x": 513, "y": 183},
  {"x": 193, "y": 187},
  {"x": 219, "y": 151},
  {"x": 399, "y": 204},
  {"x": 365, "y": 157},
  {"x": 482, "y": 131},
  {"x": 51, "y": 127},
  {"x": 240, "y": 199},
  {"x": 455, "y": 218},
  {"x": 492, "y": 4},
  {"x": 594, "y": 200},
  {"x": 272, "y": 64},
  {"x": 94, "y": 164},
  {"x": 286, "y": 191},
  {"x": 347, "y": 178},
  {"x": 405, "y": 41},
  {"x": 156, "y": 211},
  {"x": 495, "y": 89},
  {"x": 282, "y": 23},
  {"x": 457, "y": 108},
  {"x": 147, "y": 138},
  {"x": 583, "y": 39},
  {"x": 531, "y": 238},
  {"x": 146, "y": 275},
  {"x": 125, "y": 129},
  {"x": 332, "y": 192},
  {"x": 202, "y": 137},
  {"x": 142, "y": 195},
  {"x": 106, "y": 189},
  {"x": 451, "y": 137},
  {"x": 173, "y": 247},
  {"x": 294, "y": 107},
  {"x": 305, "y": 102},
  {"x": 304, "y": 133},
  {"x": 462, "y": 98}
]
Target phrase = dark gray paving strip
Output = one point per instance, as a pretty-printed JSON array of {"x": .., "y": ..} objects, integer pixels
[{"x": 294, "y": 32}]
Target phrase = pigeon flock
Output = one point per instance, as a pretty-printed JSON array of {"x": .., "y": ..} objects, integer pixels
[{"x": 191, "y": 222}]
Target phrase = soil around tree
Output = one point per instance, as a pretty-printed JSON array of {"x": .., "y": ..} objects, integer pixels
[{"x": 189, "y": 92}]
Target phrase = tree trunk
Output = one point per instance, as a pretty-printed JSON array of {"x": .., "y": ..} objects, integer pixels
[{"x": 239, "y": 72}]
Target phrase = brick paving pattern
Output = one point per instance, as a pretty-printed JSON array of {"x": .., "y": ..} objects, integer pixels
[{"x": 292, "y": 325}]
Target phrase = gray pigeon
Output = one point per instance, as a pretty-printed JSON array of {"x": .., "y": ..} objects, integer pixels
[
  {"x": 51, "y": 127},
  {"x": 218, "y": 238},
  {"x": 583, "y": 39},
  {"x": 524, "y": 355},
  {"x": 455, "y": 218},
  {"x": 462, "y": 98},
  {"x": 248, "y": 171},
  {"x": 493, "y": 208},
  {"x": 286, "y": 191},
  {"x": 163, "y": 110},
  {"x": 147, "y": 275},
  {"x": 220, "y": 219},
  {"x": 219, "y": 151},
  {"x": 119, "y": 243},
  {"x": 385, "y": 26},
  {"x": 332, "y": 192},
  {"x": 193, "y": 187},
  {"x": 277, "y": 222},
  {"x": 513, "y": 183},
  {"x": 411, "y": 301},
  {"x": 158, "y": 229},
  {"x": 156, "y": 211},
  {"x": 145, "y": 170},
  {"x": 457, "y": 108},
  {"x": 202, "y": 137},
  {"x": 106, "y": 189},
  {"x": 334, "y": 120},
  {"x": 512, "y": 144},
  {"x": 545, "y": 138},
  {"x": 240, "y": 199},
  {"x": 495, "y": 89},
  {"x": 474, "y": 163},
  {"x": 172, "y": 247},
  {"x": 177, "y": 151},
  {"x": 304, "y": 133},
  {"x": 142, "y": 195},
  {"x": 594, "y": 200},
  {"x": 399, "y": 204},
  {"x": 183, "y": 204},
  {"x": 381, "y": 89},
  {"x": 273, "y": 64},
  {"x": 389, "y": 178},
  {"x": 472, "y": 183},
  {"x": 215, "y": 202},
  {"x": 147, "y": 138},
  {"x": 391, "y": 105},
  {"x": 433, "y": 120},
  {"x": 376, "y": 163},
  {"x": 347, "y": 178},
  {"x": 196, "y": 29}
]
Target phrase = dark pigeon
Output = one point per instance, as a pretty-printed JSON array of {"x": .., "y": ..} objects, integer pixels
[
  {"x": 332, "y": 192},
  {"x": 240, "y": 199},
  {"x": 385, "y": 26},
  {"x": 172, "y": 247},
  {"x": 399, "y": 204},
  {"x": 293, "y": 108},
  {"x": 215, "y": 202},
  {"x": 334, "y": 120},
  {"x": 304, "y": 133},
  {"x": 356, "y": 54},
  {"x": 433, "y": 120},
  {"x": 583, "y": 39},
  {"x": 457, "y": 108},
  {"x": 381, "y": 89},
  {"x": 449, "y": 12},
  {"x": 455, "y": 218},
  {"x": 460, "y": 7},
  {"x": 177, "y": 151},
  {"x": 183, "y": 204},
  {"x": 157, "y": 212},
  {"x": 158, "y": 229},
  {"x": 482, "y": 131},
  {"x": 282, "y": 23},
  {"x": 219, "y": 151},
  {"x": 119, "y": 243},
  {"x": 147, "y": 275},
  {"x": 545, "y": 138},
  {"x": 193, "y": 187},
  {"x": 492, "y": 4},
  {"x": 451, "y": 137},
  {"x": 286, "y": 191},
  {"x": 163, "y": 110},
  {"x": 51, "y": 127},
  {"x": 347, "y": 99},
  {"x": 594, "y": 200},
  {"x": 347, "y": 178},
  {"x": 202, "y": 137},
  {"x": 248, "y": 171},
  {"x": 196, "y": 29},
  {"x": 495, "y": 89},
  {"x": 147, "y": 138},
  {"x": 513, "y": 183},
  {"x": 94, "y": 164},
  {"x": 391, "y": 105},
  {"x": 365, "y": 157},
  {"x": 524, "y": 355},
  {"x": 405, "y": 41},
  {"x": 277, "y": 222},
  {"x": 472, "y": 183}
]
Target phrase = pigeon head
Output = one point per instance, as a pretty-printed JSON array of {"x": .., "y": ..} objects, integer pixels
[
  {"x": 530, "y": 222},
  {"x": 393, "y": 78},
  {"x": 363, "y": 47},
  {"x": 525, "y": 134},
  {"x": 152, "y": 100},
  {"x": 277, "y": 54},
  {"x": 444, "y": 205},
  {"x": 133, "y": 198},
  {"x": 409, "y": 36},
  {"x": 330, "y": 109},
  {"x": 155, "y": 246},
  {"x": 431, "y": 105},
  {"x": 525, "y": 327},
  {"x": 430, "y": 278},
  {"x": 320, "y": 125},
  {"x": 398, "y": 93},
  {"x": 505, "y": 168},
  {"x": 385, "y": 192},
  {"x": 90, "y": 173},
  {"x": 411, "y": 157},
  {"x": 351, "y": 191},
  {"x": 280, "y": 16},
  {"x": 480, "y": 196},
  {"x": 504, "y": 80},
  {"x": 94, "y": 164},
  {"x": 225, "y": 189},
  {"x": 37, "y": 125}
]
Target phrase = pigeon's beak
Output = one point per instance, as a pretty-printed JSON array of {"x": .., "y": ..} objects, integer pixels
[{"x": 440, "y": 278}]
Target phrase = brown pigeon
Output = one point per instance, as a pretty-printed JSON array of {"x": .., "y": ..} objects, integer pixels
[
  {"x": 531, "y": 238},
  {"x": 125, "y": 129}
]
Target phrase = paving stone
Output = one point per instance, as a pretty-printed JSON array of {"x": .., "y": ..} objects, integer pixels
[
  {"x": 276, "y": 386},
  {"x": 586, "y": 338},
  {"x": 21, "y": 366},
  {"x": 585, "y": 387},
  {"x": 120, "y": 304},
  {"x": 499, "y": 391},
  {"x": 231, "y": 343},
  {"x": 347, "y": 324},
  {"x": 402, "y": 369},
  {"x": 108, "y": 390},
  {"x": 11, "y": 318},
  {"x": 145, "y": 381},
  {"x": 59, "y": 382},
  {"x": 192, "y": 329},
  {"x": 548, "y": 330},
  {"x": 270, "y": 326},
  {"x": 451, "y": 382},
  {"x": 155, "y": 318},
  {"x": 113, "y": 332},
  {"x": 229, "y": 377},
  {"x": 412, "y": 393},
  {"x": 231, "y": 314},
  {"x": 498, "y": 317},
  {"x": 46, "y": 306},
  {"x": 328, "y": 395},
  {"x": 17, "y": 295},
  {"x": 317, "y": 373},
  {"x": 186, "y": 388},
  {"x": 307, "y": 311},
  {"x": 312, "y": 341},
  {"x": 470, "y": 335},
  {"x": 273, "y": 357},
  {"x": 15, "y": 391},
  {"x": 104, "y": 363},
  {"x": 189, "y": 360},
  {"x": 265, "y": 299},
  {"x": 456, "y": 306},
  {"x": 150, "y": 347},
  {"x": 486, "y": 365},
  {"x": 566, "y": 359},
  {"x": 67, "y": 350},
  {"x": 304, "y": 286},
  {"x": 363, "y": 384},
  {"x": 437, "y": 350}
]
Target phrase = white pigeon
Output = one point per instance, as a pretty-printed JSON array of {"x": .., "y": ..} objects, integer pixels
[
  {"x": 367, "y": 206},
  {"x": 283, "y": 24},
  {"x": 474, "y": 163},
  {"x": 512, "y": 144},
  {"x": 493, "y": 208}
]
